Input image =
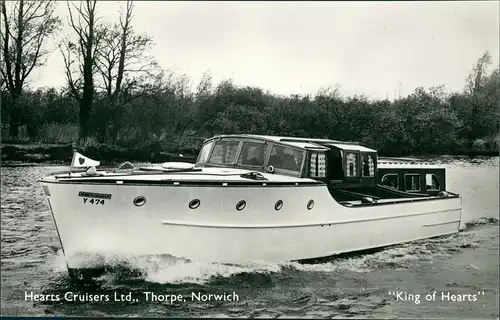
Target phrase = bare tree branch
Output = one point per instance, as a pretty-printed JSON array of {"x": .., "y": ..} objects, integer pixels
[
  {"x": 478, "y": 77},
  {"x": 68, "y": 67},
  {"x": 79, "y": 58},
  {"x": 123, "y": 64},
  {"x": 6, "y": 66},
  {"x": 25, "y": 31}
]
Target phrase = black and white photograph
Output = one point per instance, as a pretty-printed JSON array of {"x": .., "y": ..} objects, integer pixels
[{"x": 250, "y": 159}]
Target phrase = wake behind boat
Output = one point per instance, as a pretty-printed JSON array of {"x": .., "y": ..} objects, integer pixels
[{"x": 251, "y": 198}]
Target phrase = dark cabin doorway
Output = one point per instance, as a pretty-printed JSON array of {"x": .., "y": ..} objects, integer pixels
[{"x": 335, "y": 169}]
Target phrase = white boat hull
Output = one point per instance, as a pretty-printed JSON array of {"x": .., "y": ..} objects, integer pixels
[{"x": 217, "y": 232}]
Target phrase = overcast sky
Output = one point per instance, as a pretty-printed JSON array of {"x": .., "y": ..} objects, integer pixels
[{"x": 372, "y": 48}]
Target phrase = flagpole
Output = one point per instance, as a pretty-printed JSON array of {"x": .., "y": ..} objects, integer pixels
[{"x": 72, "y": 161}]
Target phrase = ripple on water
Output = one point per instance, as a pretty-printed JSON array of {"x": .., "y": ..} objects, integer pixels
[{"x": 170, "y": 270}]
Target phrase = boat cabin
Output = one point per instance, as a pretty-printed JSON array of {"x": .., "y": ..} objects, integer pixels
[
  {"x": 351, "y": 171},
  {"x": 412, "y": 178},
  {"x": 333, "y": 162}
]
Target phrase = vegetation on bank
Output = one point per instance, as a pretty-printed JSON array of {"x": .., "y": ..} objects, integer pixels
[
  {"x": 13, "y": 154},
  {"x": 120, "y": 105}
]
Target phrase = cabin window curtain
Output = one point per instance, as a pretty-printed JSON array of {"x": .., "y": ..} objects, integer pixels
[
  {"x": 371, "y": 163},
  {"x": 368, "y": 168},
  {"x": 322, "y": 165},
  {"x": 312, "y": 167},
  {"x": 351, "y": 165},
  {"x": 317, "y": 166}
]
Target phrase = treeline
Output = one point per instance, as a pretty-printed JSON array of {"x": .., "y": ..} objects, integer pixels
[{"x": 116, "y": 94}]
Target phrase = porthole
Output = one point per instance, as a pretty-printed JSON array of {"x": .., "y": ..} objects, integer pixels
[
  {"x": 278, "y": 205},
  {"x": 139, "y": 201},
  {"x": 310, "y": 204},
  {"x": 241, "y": 205},
  {"x": 194, "y": 204}
]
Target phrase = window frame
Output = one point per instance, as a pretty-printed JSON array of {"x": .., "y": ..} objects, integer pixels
[
  {"x": 209, "y": 143},
  {"x": 419, "y": 182},
  {"x": 391, "y": 174},
  {"x": 438, "y": 182},
  {"x": 374, "y": 160},
  {"x": 237, "y": 155},
  {"x": 346, "y": 162},
  {"x": 265, "y": 146},
  {"x": 309, "y": 166},
  {"x": 285, "y": 171}
]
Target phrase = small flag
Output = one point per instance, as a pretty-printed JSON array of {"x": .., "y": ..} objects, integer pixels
[{"x": 80, "y": 161}]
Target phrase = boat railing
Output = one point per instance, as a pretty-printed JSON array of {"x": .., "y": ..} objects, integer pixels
[
  {"x": 398, "y": 160},
  {"x": 357, "y": 194},
  {"x": 359, "y": 203}
]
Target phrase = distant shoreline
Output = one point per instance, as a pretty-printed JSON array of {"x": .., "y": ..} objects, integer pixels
[
  {"x": 61, "y": 154},
  {"x": 32, "y": 154}
]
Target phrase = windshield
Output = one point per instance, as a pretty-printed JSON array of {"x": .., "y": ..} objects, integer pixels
[
  {"x": 224, "y": 152},
  {"x": 253, "y": 154},
  {"x": 257, "y": 154},
  {"x": 286, "y": 158},
  {"x": 205, "y": 151}
]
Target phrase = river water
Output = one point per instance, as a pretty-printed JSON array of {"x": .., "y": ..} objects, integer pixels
[{"x": 397, "y": 282}]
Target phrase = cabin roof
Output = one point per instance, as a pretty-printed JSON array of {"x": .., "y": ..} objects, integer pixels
[
  {"x": 303, "y": 143},
  {"x": 406, "y": 165},
  {"x": 344, "y": 146},
  {"x": 399, "y": 159}
]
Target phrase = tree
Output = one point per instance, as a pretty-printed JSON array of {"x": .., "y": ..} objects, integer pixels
[
  {"x": 478, "y": 76},
  {"x": 24, "y": 35},
  {"x": 79, "y": 60},
  {"x": 482, "y": 94},
  {"x": 125, "y": 69}
]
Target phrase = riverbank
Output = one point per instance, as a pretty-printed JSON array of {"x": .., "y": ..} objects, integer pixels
[
  {"x": 19, "y": 154},
  {"x": 61, "y": 154}
]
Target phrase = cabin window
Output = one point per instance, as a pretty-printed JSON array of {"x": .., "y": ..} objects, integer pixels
[
  {"x": 224, "y": 152},
  {"x": 412, "y": 182},
  {"x": 286, "y": 158},
  {"x": 253, "y": 154},
  {"x": 317, "y": 166},
  {"x": 352, "y": 160},
  {"x": 431, "y": 182},
  {"x": 205, "y": 151},
  {"x": 368, "y": 165},
  {"x": 391, "y": 180}
]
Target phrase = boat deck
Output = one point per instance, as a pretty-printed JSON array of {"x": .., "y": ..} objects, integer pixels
[{"x": 358, "y": 202}]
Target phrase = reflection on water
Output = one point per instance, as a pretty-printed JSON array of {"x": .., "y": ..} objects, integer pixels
[{"x": 346, "y": 286}]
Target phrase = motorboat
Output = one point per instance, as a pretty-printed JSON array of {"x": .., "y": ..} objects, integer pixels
[{"x": 249, "y": 198}]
